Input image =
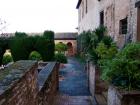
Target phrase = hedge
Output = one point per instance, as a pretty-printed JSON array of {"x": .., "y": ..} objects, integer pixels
[{"x": 21, "y": 45}]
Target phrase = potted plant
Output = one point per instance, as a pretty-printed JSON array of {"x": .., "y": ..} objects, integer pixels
[{"x": 123, "y": 73}]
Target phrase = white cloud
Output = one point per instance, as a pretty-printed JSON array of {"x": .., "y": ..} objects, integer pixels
[{"x": 39, "y": 15}]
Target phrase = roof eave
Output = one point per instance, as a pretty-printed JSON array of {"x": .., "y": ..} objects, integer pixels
[{"x": 78, "y": 4}]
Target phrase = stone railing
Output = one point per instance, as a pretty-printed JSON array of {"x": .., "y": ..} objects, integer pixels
[
  {"x": 48, "y": 83},
  {"x": 23, "y": 84}
]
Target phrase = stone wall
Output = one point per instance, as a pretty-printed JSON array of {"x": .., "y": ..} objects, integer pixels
[
  {"x": 23, "y": 84},
  {"x": 119, "y": 97},
  {"x": 96, "y": 85},
  {"x": 91, "y": 77},
  {"x": 19, "y": 87},
  {"x": 49, "y": 89}
]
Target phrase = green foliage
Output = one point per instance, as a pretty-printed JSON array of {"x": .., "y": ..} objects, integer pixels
[
  {"x": 105, "y": 52},
  {"x": 18, "y": 49},
  {"x": 21, "y": 47},
  {"x": 60, "y": 58},
  {"x": 100, "y": 32},
  {"x": 35, "y": 56},
  {"x": 7, "y": 59},
  {"x": 124, "y": 69},
  {"x": 3, "y": 46},
  {"x": 49, "y": 35},
  {"x": 61, "y": 47},
  {"x": 107, "y": 40},
  {"x": 90, "y": 40},
  {"x": 20, "y": 35}
]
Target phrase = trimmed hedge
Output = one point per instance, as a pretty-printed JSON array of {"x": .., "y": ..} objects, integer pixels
[
  {"x": 21, "y": 45},
  {"x": 35, "y": 56},
  {"x": 7, "y": 59},
  {"x": 60, "y": 58},
  {"x": 3, "y": 46}
]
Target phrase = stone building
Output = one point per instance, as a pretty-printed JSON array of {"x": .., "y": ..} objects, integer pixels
[
  {"x": 121, "y": 17},
  {"x": 70, "y": 40}
]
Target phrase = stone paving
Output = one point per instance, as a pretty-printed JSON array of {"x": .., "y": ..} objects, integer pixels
[{"x": 73, "y": 84}]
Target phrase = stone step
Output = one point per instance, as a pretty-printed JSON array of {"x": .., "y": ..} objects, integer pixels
[{"x": 72, "y": 100}]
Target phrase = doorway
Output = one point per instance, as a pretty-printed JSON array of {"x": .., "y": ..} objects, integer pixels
[{"x": 70, "y": 49}]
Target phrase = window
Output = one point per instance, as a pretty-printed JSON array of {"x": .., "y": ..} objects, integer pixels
[
  {"x": 86, "y": 6},
  {"x": 102, "y": 18},
  {"x": 123, "y": 26},
  {"x": 83, "y": 9}
]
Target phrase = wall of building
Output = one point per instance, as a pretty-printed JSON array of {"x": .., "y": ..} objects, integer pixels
[
  {"x": 114, "y": 11},
  {"x": 89, "y": 20}
]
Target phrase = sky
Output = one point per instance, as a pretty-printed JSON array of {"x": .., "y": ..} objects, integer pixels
[{"x": 39, "y": 15}]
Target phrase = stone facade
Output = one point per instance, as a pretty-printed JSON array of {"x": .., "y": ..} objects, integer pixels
[
  {"x": 114, "y": 11},
  {"x": 20, "y": 84}
]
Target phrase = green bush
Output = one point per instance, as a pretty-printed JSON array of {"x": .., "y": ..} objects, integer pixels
[
  {"x": 3, "y": 46},
  {"x": 124, "y": 69},
  {"x": 22, "y": 46},
  {"x": 105, "y": 52},
  {"x": 7, "y": 59},
  {"x": 89, "y": 41},
  {"x": 18, "y": 49},
  {"x": 61, "y": 47},
  {"x": 60, "y": 58},
  {"x": 35, "y": 56},
  {"x": 49, "y": 35}
]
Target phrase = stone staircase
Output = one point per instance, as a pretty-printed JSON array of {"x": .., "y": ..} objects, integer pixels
[{"x": 72, "y": 100}]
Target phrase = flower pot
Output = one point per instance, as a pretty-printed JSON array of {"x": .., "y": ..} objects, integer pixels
[{"x": 118, "y": 96}]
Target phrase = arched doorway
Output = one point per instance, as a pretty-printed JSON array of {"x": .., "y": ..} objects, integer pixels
[{"x": 70, "y": 49}]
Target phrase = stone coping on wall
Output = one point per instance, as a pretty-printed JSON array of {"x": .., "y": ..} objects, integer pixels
[
  {"x": 45, "y": 73},
  {"x": 12, "y": 74},
  {"x": 122, "y": 92}
]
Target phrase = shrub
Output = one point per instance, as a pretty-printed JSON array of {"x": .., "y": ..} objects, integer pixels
[
  {"x": 61, "y": 47},
  {"x": 35, "y": 56},
  {"x": 22, "y": 46},
  {"x": 7, "y": 59},
  {"x": 60, "y": 58},
  {"x": 18, "y": 49},
  {"x": 105, "y": 52},
  {"x": 3, "y": 46},
  {"x": 20, "y": 34},
  {"x": 89, "y": 41},
  {"x": 49, "y": 35},
  {"x": 124, "y": 69}
]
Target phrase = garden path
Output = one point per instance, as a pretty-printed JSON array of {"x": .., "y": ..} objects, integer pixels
[{"x": 73, "y": 84}]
